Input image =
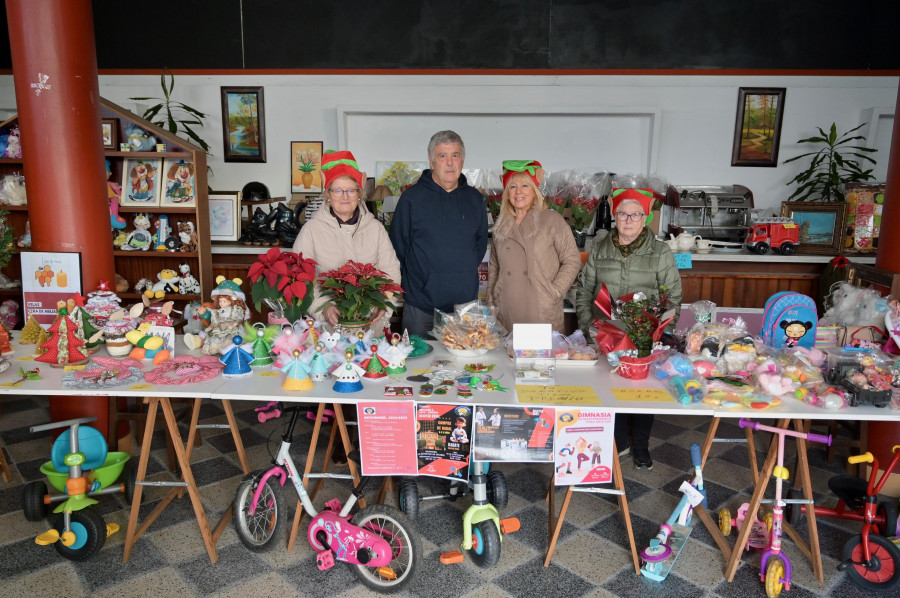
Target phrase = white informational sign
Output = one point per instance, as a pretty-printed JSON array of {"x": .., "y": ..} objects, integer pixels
[
  {"x": 584, "y": 446},
  {"x": 48, "y": 278},
  {"x": 167, "y": 333}
]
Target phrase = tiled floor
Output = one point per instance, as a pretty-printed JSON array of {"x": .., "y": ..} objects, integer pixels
[{"x": 591, "y": 559}]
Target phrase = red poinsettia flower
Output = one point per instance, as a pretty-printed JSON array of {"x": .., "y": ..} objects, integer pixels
[
  {"x": 284, "y": 277},
  {"x": 357, "y": 289}
]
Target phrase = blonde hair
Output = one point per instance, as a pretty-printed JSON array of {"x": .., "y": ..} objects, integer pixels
[{"x": 506, "y": 206}]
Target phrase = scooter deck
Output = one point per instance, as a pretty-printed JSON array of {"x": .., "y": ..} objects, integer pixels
[{"x": 659, "y": 570}]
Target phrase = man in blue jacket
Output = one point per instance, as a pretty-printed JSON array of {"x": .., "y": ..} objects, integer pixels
[{"x": 439, "y": 232}]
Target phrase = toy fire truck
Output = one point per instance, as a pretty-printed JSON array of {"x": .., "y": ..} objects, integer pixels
[{"x": 778, "y": 233}]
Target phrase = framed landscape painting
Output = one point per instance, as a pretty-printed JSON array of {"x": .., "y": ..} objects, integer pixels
[
  {"x": 243, "y": 124},
  {"x": 757, "y": 130},
  {"x": 821, "y": 225}
]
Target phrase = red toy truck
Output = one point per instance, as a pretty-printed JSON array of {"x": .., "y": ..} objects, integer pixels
[{"x": 778, "y": 233}]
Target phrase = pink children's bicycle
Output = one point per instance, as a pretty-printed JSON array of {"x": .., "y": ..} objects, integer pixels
[
  {"x": 766, "y": 534},
  {"x": 379, "y": 542}
]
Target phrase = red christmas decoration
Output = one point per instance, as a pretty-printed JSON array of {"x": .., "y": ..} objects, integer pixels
[
  {"x": 63, "y": 347},
  {"x": 5, "y": 347}
]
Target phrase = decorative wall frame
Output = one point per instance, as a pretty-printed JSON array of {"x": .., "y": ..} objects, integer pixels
[
  {"x": 109, "y": 128},
  {"x": 141, "y": 181},
  {"x": 306, "y": 166},
  {"x": 179, "y": 180},
  {"x": 243, "y": 124},
  {"x": 224, "y": 216},
  {"x": 821, "y": 225},
  {"x": 757, "y": 129}
]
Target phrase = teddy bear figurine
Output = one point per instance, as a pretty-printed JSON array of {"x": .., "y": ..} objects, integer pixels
[{"x": 139, "y": 239}]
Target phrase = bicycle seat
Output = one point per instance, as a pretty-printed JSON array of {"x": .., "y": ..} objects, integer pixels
[
  {"x": 90, "y": 442},
  {"x": 850, "y": 489}
]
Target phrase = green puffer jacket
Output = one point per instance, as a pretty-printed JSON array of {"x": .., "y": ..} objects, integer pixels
[{"x": 647, "y": 269}]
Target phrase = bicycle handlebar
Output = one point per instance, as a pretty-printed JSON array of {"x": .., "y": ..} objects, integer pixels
[
  {"x": 821, "y": 438},
  {"x": 864, "y": 458},
  {"x": 696, "y": 457},
  {"x": 270, "y": 411},
  {"x": 824, "y": 439}
]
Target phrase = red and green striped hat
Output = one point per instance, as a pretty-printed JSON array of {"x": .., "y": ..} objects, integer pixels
[
  {"x": 338, "y": 164},
  {"x": 529, "y": 167}
]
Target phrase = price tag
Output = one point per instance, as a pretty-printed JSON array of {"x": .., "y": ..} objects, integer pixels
[
  {"x": 683, "y": 261},
  {"x": 642, "y": 395},
  {"x": 141, "y": 387},
  {"x": 694, "y": 495},
  {"x": 269, "y": 374},
  {"x": 24, "y": 358},
  {"x": 74, "y": 368},
  {"x": 12, "y": 384}
]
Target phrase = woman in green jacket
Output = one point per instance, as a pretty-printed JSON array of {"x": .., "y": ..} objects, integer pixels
[{"x": 629, "y": 259}]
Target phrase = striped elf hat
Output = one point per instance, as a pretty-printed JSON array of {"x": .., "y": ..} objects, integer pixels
[{"x": 338, "y": 164}]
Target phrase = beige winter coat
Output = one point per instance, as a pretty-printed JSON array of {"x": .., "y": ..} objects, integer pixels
[
  {"x": 532, "y": 267},
  {"x": 332, "y": 244}
]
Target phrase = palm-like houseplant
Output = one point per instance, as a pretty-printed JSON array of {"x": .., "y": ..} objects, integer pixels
[
  {"x": 174, "y": 116},
  {"x": 838, "y": 162}
]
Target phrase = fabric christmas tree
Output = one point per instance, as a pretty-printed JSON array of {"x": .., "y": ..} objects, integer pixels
[
  {"x": 376, "y": 366},
  {"x": 63, "y": 347},
  {"x": 86, "y": 329},
  {"x": 30, "y": 332}
]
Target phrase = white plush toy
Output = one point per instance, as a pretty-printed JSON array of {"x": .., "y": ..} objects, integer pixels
[{"x": 189, "y": 283}]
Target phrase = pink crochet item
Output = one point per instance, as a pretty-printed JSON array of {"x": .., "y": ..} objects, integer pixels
[
  {"x": 112, "y": 362},
  {"x": 185, "y": 369}
]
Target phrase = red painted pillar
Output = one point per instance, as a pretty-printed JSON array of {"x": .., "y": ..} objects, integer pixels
[
  {"x": 888, "y": 257},
  {"x": 57, "y": 96}
]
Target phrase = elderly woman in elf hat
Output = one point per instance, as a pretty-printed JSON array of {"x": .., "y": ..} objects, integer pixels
[
  {"x": 629, "y": 259},
  {"x": 534, "y": 259},
  {"x": 343, "y": 229},
  {"x": 226, "y": 318}
]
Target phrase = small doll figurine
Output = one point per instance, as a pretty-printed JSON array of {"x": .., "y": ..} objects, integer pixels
[
  {"x": 237, "y": 359},
  {"x": 318, "y": 364},
  {"x": 225, "y": 320},
  {"x": 263, "y": 337},
  {"x": 113, "y": 192},
  {"x": 347, "y": 375},
  {"x": 297, "y": 374}
]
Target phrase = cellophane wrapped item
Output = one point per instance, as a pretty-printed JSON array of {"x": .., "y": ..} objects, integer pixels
[
  {"x": 472, "y": 327},
  {"x": 574, "y": 347},
  {"x": 487, "y": 181},
  {"x": 556, "y": 191}
]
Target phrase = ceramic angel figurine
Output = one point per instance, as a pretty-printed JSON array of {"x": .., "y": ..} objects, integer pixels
[{"x": 347, "y": 375}]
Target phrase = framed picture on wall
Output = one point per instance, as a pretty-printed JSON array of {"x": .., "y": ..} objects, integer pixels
[
  {"x": 109, "y": 128},
  {"x": 757, "y": 129},
  {"x": 243, "y": 124},
  {"x": 306, "y": 166},
  {"x": 224, "y": 217},
  {"x": 179, "y": 188},
  {"x": 141, "y": 182},
  {"x": 821, "y": 225}
]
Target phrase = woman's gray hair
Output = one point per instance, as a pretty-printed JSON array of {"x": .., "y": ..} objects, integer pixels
[{"x": 446, "y": 137}]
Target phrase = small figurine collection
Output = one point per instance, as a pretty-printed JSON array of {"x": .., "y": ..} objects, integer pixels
[{"x": 164, "y": 238}]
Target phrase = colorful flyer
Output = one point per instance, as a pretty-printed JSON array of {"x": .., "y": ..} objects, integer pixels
[
  {"x": 47, "y": 278},
  {"x": 443, "y": 434},
  {"x": 584, "y": 446},
  {"x": 513, "y": 434},
  {"x": 387, "y": 431}
]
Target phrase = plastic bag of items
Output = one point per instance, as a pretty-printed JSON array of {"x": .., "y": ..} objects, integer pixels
[
  {"x": 472, "y": 330},
  {"x": 573, "y": 348}
]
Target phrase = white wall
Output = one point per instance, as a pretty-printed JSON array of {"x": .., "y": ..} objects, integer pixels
[{"x": 696, "y": 120}]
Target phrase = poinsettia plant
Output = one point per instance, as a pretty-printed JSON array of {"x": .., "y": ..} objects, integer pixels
[
  {"x": 357, "y": 289},
  {"x": 583, "y": 208},
  {"x": 643, "y": 319},
  {"x": 286, "y": 278},
  {"x": 558, "y": 203}
]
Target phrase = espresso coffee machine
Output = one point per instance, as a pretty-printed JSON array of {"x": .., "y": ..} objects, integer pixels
[{"x": 714, "y": 213}]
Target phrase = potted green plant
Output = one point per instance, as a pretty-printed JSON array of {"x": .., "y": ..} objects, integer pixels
[
  {"x": 357, "y": 290},
  {"x": 175, "y": 117},
  {"x": 837, "y": 162}
]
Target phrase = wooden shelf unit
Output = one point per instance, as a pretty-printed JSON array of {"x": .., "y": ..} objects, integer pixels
[{"x": 134, "y": 265}]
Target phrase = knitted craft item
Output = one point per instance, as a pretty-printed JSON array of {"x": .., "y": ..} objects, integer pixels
[
  {"x": 297, "y": 374},
  {"x": 263, "y": 337},
  {"x": 30, "y": 331},
  {"x": 376, "y": 366},
  {"x": 63, "y": 347},
  {"x": 185, "y": 369},
  {"x": 237, "y": 360},
  {"x": 105, "y": 371},
  {"x": 347, "y": 375}
]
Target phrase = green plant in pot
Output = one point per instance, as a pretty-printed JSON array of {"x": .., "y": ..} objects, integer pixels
[
  {"x": 175, "y": 117},
  {"x": 838, "y": 161}
]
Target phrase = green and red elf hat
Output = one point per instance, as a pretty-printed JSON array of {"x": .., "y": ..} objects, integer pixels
[
  {"x": 532, "y": 168},
  {"x": 338, "y": 164},
  {"x": 642, "y": 196}
]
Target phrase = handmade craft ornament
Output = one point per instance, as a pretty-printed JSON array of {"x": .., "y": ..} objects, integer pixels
[
  {"x": 30, "y": 332},
  {"x": 261, "y": 347},
  {"x": 185, "y": 369},
  {"x": 376, "y": 366},
  {"x": 347, "y": 375},
  {"x": 395, "y": 354},
  {"x": 63, "y": 347},
  {"x": 225, "y": 319},
  {"x": 92, "y": 337},
  {"x": 237, "y": 359},
  {"x": 319, "y": 364},
  {"x": 146, "y": 346},
  {"x": 5, "y": 346},
  {"x": 296, "y": 374}
]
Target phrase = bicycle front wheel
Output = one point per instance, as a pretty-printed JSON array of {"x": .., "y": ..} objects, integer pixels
[
  {"x": 262, "y": 530},
  {"x": 406, "y": 548}
]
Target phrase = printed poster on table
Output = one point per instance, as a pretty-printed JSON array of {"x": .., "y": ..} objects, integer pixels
[
  {"x": 387, "y": 431},
  {"x": 443, "y": 435},
  {"x": 584, "y": 446},
  {"x": 513, "y": 434},
  {"x": 48, "y": 278}
]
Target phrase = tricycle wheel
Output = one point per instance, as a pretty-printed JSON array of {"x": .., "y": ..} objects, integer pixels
[
  {"x": 888, "y": 511},
  {"x": 485, "y": 550},
  {"x": 33, "y": 501},
  {"x": 90, "y": 534},
  {"x": 883, "y": 574},
  {"x": 774, "y": 577},
  {"x": 406, "y": 549},
  {"x": 129, "y": 480},
  {"x": 497, "y": 493},
  {"x": 725, "y": 522},
  {"x": 409, "y": 498}
]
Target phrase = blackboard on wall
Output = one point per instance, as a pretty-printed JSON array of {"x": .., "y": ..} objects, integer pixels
[{"x": 495, "y": 34}]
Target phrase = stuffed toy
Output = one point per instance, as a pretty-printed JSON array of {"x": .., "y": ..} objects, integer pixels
[
  {"x": 187, "y": 235},
  {"x": 189, "y": 284},
  {"x": 774, "y": 384},
  {"x": 12, "y": 190},
  {"x": 13, "y": 144},
  {"x": 168, "y": 283},
  {"x": 139, "y": 239},
  {"x": 845, "y": 302},
  {"x": 139, "y": 140},
  {"x": 9, "y": 314}
]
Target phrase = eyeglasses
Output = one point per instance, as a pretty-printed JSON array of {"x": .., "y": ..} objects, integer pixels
[
  {"x": 629, "y": 217},
  {"x": 348, "y": 192}
]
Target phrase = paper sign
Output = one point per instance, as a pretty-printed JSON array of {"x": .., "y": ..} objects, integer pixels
[
  {"x": 584, "y": 446},
  {"x": 141, "y": 386},
  {"x": 48, "y": 277},
  {"x": 269, "y": 374},
  {"x": 557, "y": 395},
  {"x": 73, "y": 368},
  {"x": 694, "y": 495},
  {"x": 387, "y": 432},
  {"x": 442, "y": 439},
  {"x": 517, "y": 434},
  {"x": 642, "y": 395},
  {"x": 683, "y": 261},
  {"x": 25, "y": 358}
]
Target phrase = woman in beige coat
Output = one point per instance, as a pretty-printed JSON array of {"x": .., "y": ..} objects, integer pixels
[
  {"x": 343, "y": 229},
  {"x": 534, "y": 260}
]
